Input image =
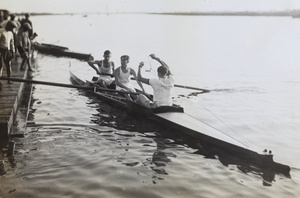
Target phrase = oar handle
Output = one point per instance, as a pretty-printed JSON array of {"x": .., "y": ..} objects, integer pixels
[
  {"x": 98, "y": 88},
  {"x": 105, "y": 74}
]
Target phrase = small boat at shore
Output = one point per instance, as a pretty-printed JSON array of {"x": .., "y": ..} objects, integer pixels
[
  {"x": 174, "y": 118},
  {"x": 60, "y": 51}
]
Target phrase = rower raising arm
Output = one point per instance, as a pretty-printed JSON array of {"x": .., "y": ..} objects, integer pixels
[
  {"x": 162, "y": 87},
  {"x": 161, "y": 62}
]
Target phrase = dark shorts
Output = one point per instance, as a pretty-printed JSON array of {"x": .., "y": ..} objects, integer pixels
[
  {"x": 6, "y": 57},
  {"x": 22, "y": 51}
]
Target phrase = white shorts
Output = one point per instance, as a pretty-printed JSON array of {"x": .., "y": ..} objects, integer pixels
[
  {"x": 130, "y": 86},
  {"x": 107, "y": 79},
  {"x": 143, "y": 100}
]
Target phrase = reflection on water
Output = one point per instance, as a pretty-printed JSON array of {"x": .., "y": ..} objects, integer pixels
[{"x": 118, "y": 125}]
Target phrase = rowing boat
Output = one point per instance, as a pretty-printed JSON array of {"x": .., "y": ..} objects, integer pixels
[
  {"x": 175, "y": 119},
  {"x": 60, "y": 51}
]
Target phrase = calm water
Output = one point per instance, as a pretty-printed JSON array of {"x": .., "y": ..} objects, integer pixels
[{"x": 79, "y": 146}]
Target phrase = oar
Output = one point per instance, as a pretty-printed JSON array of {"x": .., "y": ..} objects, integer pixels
[
  {"x": 186, "y": 87},
  {"x": 46, "y": 83},
  {"x": 176, "y": 85},
  {"x": 195, "y": 88},
  {"x": 66, "y": 85},
  {"x": 179, "y": 86}
]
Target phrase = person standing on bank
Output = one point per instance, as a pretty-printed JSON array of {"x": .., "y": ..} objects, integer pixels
[
  {"x": 105, "y": 70},
  {"x": 7, "y": 49},
  {"x": 24, "y": 45},
  {"x": 162, "y": 87},
  {"x": 27, "y": 20},
  {"x": 122, "y": 77},
  {"x": 12, "y": 18}
]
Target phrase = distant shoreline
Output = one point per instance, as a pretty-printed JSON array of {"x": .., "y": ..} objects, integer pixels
[
  {"x": 294, "y": 13},
  {"x": 229, "y": 13}
]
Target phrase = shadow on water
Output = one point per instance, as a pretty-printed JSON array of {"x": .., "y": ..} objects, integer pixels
[
  {"x": 267, "y": 173},
  {"x": 6, "y": 155},
  {"x": 113, "y": 117}
]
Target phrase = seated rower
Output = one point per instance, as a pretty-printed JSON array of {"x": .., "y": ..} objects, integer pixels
[
  {"x": 105, "y": 70},
  {"x": 122, "y": 78},
  {"x": 162, "y": 87}
]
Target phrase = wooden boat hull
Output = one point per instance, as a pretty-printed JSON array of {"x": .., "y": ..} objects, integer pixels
[
  {"x": 174, "y": 119},
  {"x": 185, "y": 124},
  {"x": 60, "y": 51}
]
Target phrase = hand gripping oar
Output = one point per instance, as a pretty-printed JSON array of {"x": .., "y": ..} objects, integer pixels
[{"x": 98, "y": 72}]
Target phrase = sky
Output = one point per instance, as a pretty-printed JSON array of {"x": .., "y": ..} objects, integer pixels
[{"x": 87, "y": 6}]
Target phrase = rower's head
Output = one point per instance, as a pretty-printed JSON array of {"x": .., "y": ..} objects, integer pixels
[
  {"x": 124, "y": 59},
  {"x": 162, "y": 71},
  {"x": 107, "y": 55}
]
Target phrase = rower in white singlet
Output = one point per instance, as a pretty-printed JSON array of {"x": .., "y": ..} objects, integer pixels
[
  {"x": 123, "y": 76},
  {"x": 108, "y": 79},
  {"x": 105, "y": 70}
]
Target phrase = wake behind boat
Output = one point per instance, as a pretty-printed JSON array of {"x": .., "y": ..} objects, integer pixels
[{"x": 175, "y": 119}]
